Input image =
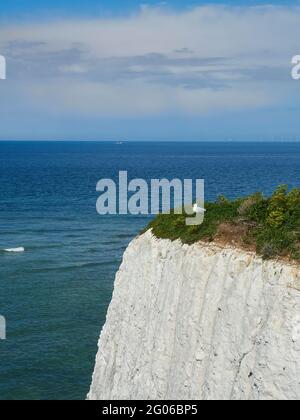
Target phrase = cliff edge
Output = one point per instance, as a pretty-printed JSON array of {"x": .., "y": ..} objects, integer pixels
[{"x": 200, "y": 322}]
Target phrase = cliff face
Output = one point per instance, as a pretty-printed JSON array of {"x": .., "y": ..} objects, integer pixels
[{"x": 199, "y": 322}]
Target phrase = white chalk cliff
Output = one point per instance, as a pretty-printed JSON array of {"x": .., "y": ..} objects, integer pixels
[{"x": 200, "y": 322}]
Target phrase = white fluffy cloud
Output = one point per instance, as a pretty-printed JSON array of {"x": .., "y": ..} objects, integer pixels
[{"x": 155, "y": 62}]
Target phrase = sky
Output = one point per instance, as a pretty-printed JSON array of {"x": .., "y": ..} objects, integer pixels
[{"x": 126, "y": 70}]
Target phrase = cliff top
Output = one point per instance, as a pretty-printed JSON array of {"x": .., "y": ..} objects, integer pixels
[{"x": 268, "y": 225}]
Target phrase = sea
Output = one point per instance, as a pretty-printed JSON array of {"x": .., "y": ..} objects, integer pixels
[{"x": 54, "y": 295}]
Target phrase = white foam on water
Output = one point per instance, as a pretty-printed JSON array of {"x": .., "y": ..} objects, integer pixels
[{"x": 20, "y": 249}]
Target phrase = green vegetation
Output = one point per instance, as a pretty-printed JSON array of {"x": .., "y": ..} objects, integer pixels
[{"x": 271, "y": 226}]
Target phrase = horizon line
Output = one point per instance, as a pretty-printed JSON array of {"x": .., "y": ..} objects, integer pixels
[{"x": 146, "y": 141}]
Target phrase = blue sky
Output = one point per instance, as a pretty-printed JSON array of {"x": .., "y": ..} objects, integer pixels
[
  {"x": 16, "y": 7},
  {"x": 27, "y": 9},
  {"x": 108, "y": 70}
]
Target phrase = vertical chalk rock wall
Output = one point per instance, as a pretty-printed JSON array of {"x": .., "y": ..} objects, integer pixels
[{"x": 199, "y": 322}]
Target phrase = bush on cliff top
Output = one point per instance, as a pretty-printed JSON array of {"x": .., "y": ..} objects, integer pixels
[{"x": 271, "y": 226}]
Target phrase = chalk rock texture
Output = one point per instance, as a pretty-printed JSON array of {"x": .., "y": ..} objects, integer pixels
[{"x": 200, "y": 322}]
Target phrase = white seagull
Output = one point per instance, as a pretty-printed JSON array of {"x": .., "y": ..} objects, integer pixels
[{"x": 198, "y": 210}]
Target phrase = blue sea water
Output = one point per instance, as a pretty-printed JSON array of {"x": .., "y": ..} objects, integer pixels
[{"x": 55, "y": 295}]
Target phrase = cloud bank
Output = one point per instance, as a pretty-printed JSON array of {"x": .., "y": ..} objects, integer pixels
[{"x": 204, "y": 61}]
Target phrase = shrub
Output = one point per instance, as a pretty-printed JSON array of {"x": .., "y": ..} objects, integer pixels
[
  {"x": 222, "y": 200},
  {"x": 278, "y": 207},
  {"x": 272, "y": 224},
  {"x": 269, "y": 250},
  {"x": 247, "y": 204}
]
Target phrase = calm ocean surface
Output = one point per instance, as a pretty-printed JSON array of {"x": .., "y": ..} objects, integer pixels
[{"x": 55, "y": 295}]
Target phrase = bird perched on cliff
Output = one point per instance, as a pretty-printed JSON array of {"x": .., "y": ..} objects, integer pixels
[{"x": 198, "y": 210}]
